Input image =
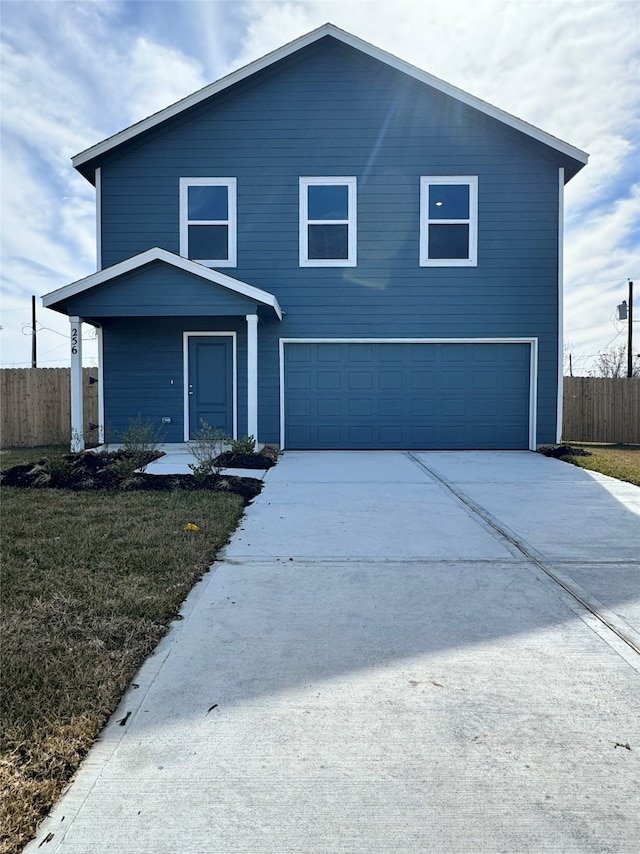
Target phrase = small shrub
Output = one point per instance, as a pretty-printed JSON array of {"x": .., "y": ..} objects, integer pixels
[
  {"x": 246, "y": 445},
  {"x": 140, "y": 440},
  {"x": 206, "y": 446}
]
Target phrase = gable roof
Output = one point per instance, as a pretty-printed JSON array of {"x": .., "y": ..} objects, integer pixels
[
  {"x": 156, "y": 254},
  {"x": 84, "y": 157}
]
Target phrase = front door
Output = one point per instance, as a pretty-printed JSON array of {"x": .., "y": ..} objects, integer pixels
[{"x": 210, "y": 392}]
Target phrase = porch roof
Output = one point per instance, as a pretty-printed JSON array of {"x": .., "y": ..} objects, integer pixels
[{"x": 156, "y": 283}]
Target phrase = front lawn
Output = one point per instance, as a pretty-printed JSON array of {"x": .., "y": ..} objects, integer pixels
[
  {"x": 619, "y": 461},
  {"x": 90, "y": 582}
]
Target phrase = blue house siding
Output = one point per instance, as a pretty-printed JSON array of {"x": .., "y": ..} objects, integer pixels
[{"x": 143, "y": 371}]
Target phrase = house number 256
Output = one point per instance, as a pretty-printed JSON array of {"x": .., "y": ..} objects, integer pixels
[{"x": 74, "y": 340}]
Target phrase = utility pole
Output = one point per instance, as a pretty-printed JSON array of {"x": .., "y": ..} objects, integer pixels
[
  {"x": 34, "y": 355},
  {"x": 630, "y": 332}
]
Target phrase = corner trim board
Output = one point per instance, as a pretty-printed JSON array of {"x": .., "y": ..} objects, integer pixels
[
  {"x": 99, "y": 218},
  {"x": 560, "y": 404}
]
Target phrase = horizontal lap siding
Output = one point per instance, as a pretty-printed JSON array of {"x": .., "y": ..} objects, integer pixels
[
  {"x": 143, "y": 371},
  {"x": 328, "y": 111},
  {"x": 168, "y": 290}
]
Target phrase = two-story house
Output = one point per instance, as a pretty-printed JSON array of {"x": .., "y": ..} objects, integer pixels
[{"x": 328, "y": 248}]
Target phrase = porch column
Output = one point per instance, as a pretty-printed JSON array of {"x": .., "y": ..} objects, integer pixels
[
  {"x": 252, "y": 375},
  {"x": 77, "y": 409}
]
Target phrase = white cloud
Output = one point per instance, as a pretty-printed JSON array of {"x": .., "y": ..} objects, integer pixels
[{"x": 155, "y": 77}]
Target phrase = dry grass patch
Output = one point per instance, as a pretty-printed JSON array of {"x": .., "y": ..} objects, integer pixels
[
  {"x": 89, "y": 583},
  {"x": 619, "y": 461}
]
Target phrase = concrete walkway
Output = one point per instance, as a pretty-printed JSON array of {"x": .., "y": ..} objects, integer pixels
[{"x": 384, "y": 660}]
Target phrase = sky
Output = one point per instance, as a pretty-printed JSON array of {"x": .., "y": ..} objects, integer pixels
[{"x": 76, "y": 71}]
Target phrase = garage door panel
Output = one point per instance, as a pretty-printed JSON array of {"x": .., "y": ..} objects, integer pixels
[
  {"x": 329, "y": 407},
  {"x": 390, "y": 406},
  {"x": 329, "y": 353},
  {"x": 452, "y": 379},
  {"x": 390, "y": 436},
  {"x": 360, "y": 436},
  {"x": 423, "y": 406},
  {"x": 328, "y": 379},
  {"x": 390, "y": 379},
  {"x": 299, "y": 380},
  {"x": 300, "y": 353},
  {"x": 329, "y": 436},
  {"x": 392, "y": 353},
  {"x": 471, "y": 396},
  {"x": 453, "y": 408},
  {"x": 485, "y": 379},
  {"x": 487, "y": 407},
  {"x": 361, "y": 407},
  {"x": 298, "y": 407},
  {"x": 423, "y": 379},
  {"x": 360, "y": 353}
]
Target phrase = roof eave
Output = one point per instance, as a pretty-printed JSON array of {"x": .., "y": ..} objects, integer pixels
[
  {"x": 53, "y": 298},
  {"x": 82, "y": 161}
]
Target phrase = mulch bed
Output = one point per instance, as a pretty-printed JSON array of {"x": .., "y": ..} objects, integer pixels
[
  {"x": 559, "y": 451},
  {"x": 245, "y": 461},
  {"x": 114, "y": 470}
]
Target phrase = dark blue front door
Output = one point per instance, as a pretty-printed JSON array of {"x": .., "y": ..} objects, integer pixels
[{"x": 210, "y": 382}]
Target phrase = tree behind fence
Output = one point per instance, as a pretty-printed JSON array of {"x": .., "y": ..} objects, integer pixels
[
  {"x": 36, "y": 406},
  {"x": 601, "y": 409}
]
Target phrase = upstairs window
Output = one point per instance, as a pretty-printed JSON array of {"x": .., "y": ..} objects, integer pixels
[
  {"x": 327, "y": 222},
  {"x": 448, "y": 221},
  {"x": 208, "y": 221}
]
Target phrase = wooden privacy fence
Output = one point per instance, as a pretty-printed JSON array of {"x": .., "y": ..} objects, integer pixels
[
  {"x": 36, "y": 406},
  {"x": 598, "y": 409}
]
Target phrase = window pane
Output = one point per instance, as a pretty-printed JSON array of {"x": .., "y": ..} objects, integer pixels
[
  {"x": 209, "y": 242},
  {"x": 449, "y": 201},
  {"x": 449, "y": 241},
  {"x": 208, "y": 203},
  {"x": 328, "y": 202},
  {"x": 328, "y": 241}
]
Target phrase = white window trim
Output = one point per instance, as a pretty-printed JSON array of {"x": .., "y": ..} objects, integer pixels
[
  {"x": 533, "y": 368},
  {"x": 427, "y": 181},
  {"x": 231, "y": 222},
  {"x": 351, "y": 222}
]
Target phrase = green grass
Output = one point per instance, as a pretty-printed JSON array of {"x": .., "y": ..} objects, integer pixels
[
  {"x": 90, "y": 581},
  {"x": 619, "y": 461}
]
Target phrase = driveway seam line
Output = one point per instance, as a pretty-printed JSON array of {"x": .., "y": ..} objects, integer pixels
[{"x": 589, "y": 603}]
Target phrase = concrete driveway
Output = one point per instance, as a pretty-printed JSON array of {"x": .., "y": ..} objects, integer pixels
[{"x": 397, "y": 652}]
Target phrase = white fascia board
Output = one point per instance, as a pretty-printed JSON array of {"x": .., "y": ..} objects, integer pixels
[
  {"x": 290, "y": 48},
  {"x": 157, "y": 254}
]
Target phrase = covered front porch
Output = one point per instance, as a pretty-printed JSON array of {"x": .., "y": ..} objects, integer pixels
[{"x": 178, "y": 346}]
